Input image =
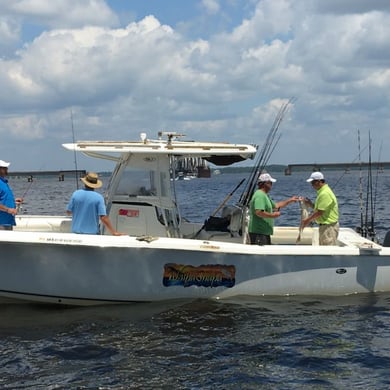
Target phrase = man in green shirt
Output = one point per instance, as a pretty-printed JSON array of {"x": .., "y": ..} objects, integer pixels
[
  {"x": 326, "y": 211},
  {"x": 263, "y": 211}
]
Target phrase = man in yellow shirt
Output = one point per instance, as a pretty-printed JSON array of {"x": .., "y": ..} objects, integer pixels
[{"x": 326, "y": 211}]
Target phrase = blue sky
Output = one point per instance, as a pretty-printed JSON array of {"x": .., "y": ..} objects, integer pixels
[{"x": 216, "y": 70}]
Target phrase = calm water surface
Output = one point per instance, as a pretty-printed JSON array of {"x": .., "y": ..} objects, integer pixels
[{"x": 247, "y": 343}]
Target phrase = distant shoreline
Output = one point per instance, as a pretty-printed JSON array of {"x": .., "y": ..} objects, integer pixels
[{"x": 292, "y": 168}]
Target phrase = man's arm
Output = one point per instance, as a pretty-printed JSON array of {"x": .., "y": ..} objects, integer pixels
[
  {"x": 284, "y": 203},
  {"x": 316, "y": 214},
  {"x": 107, "y": 223}
]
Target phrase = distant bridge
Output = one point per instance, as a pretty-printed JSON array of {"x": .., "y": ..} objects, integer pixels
[
  {"x": 60, "y": 174},
  {"x": 381, "y": 166}
]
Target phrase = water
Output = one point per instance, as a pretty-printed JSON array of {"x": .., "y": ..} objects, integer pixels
[{"x": 246, "y": 343}]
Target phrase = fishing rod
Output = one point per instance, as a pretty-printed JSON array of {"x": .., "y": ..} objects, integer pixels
[
  {"x": 370, "y": 199},
  {"x": 20, "y": 200},
  {"x": 259, "y": 164},
  {"x": 264, "y": 154},
  {"x": 74, "y": 151},
  {"x": 25, "y": 192},
  {"x": 227, "y": 198},
  {"x": 362, "y": 227},
  {"x": 367, "y": 213},
  {"x": 262, "y": 157},
  {"x": 28, "y": 188}
]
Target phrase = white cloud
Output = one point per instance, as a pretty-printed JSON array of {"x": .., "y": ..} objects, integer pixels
[
  {"x": 350, "y": 6},
  {"x": 147, "y": 76},
  {"x": 9, "y": 33},
  {"x": 212, "y": 6},
  {"x": 61, "y": 13}
]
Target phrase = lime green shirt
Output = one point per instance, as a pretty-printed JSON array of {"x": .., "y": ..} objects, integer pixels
[
  {"x": 261, "y": 201},
  {"x": 327, "y": 202}
]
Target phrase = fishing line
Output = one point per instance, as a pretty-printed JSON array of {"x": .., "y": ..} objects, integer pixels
[
  {"x": 376, "y": 179},
  {"x": 353, "y": 161}
]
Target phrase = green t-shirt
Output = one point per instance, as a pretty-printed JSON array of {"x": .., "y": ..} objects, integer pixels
[
  {"x": 261, "y": 201},
  {"x": 327, "y": 202}
]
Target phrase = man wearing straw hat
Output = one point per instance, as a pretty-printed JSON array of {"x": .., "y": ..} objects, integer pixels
[
  {"x": 87, "y": 208},
  {"x": 8, "y": 203}
]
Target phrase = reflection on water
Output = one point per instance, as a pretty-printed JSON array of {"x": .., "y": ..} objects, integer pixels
[{"x": 294, "y": 342}]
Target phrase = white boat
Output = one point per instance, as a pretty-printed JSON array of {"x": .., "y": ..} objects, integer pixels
[{"x": 164, "y": 257}]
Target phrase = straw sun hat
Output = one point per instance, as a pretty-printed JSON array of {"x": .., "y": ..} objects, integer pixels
[{"x": 92, "y": 180}]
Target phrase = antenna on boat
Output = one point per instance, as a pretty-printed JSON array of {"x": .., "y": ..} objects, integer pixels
[
  {"x": 170, "y": 135},
  {"x": 74, "y": 150}
]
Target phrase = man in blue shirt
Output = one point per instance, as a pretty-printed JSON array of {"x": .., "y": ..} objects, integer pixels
[
  {"x": 87, "y": 208},
  {"x": 8, "y": 203}
]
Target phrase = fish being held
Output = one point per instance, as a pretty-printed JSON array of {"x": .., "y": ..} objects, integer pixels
[{"x": 304, "y": 204}]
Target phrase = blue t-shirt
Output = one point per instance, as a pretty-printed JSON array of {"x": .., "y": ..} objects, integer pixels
[
  {"x": 6, "y": 199},
  {"x": 86, "y": 206}
]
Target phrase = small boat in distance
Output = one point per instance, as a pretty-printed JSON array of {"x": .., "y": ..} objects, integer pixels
[{"x": 165, "y": 257}]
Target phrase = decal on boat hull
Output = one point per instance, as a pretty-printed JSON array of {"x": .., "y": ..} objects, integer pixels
[{"x": 208, "y": 275}]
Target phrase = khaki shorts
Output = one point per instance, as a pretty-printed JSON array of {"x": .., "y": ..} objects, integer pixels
[{"x": 329, "y": 233}]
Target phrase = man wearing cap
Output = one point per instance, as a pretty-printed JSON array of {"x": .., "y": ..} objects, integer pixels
[
  {"x": 8, "y": 203},
  {"x": 263, "y": 211},
  {"x": 87, "y": 207},
  {"x": 326, "y": 211}
]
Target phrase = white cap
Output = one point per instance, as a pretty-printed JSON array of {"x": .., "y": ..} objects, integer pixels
[
  {"x": 315, "y": 176},
  {"x": 4, "y": 164},
  {"x": 266, "y": 177}
]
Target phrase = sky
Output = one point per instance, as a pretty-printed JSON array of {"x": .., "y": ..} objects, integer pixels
[{"x": 215, "y": 70}]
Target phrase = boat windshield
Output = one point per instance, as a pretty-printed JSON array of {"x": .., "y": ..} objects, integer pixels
[
  {"x": 135, "y": 182},
  {"x": 143, "y": 182}
]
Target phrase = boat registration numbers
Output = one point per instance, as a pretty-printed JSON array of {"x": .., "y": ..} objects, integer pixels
[{"x": 132, "y": 213}]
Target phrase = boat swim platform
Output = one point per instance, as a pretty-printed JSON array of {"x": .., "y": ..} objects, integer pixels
[
  {"x": 380, "y": 166},
  {"x": 60, "y": 174}
]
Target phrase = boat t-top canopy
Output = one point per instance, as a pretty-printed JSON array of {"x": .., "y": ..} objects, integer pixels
[{"x": 218, "y": 153}]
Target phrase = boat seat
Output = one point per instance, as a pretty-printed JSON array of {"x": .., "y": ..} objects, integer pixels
[
  {"x": 66, "y": 226},
  {"x": 386, "y": 241},
  {"x": 234, "y": 215}
]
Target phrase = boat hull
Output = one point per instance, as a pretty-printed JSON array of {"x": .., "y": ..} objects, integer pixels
[{"x": 88, "y": 270}]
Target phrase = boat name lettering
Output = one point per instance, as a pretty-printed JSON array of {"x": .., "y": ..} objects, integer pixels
[
  {"x": 132, "y": 213},
  {"x": 208, "y": 275},
  {"x": 61, "y": 240},
  {"x": 209, "y": 247}
]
